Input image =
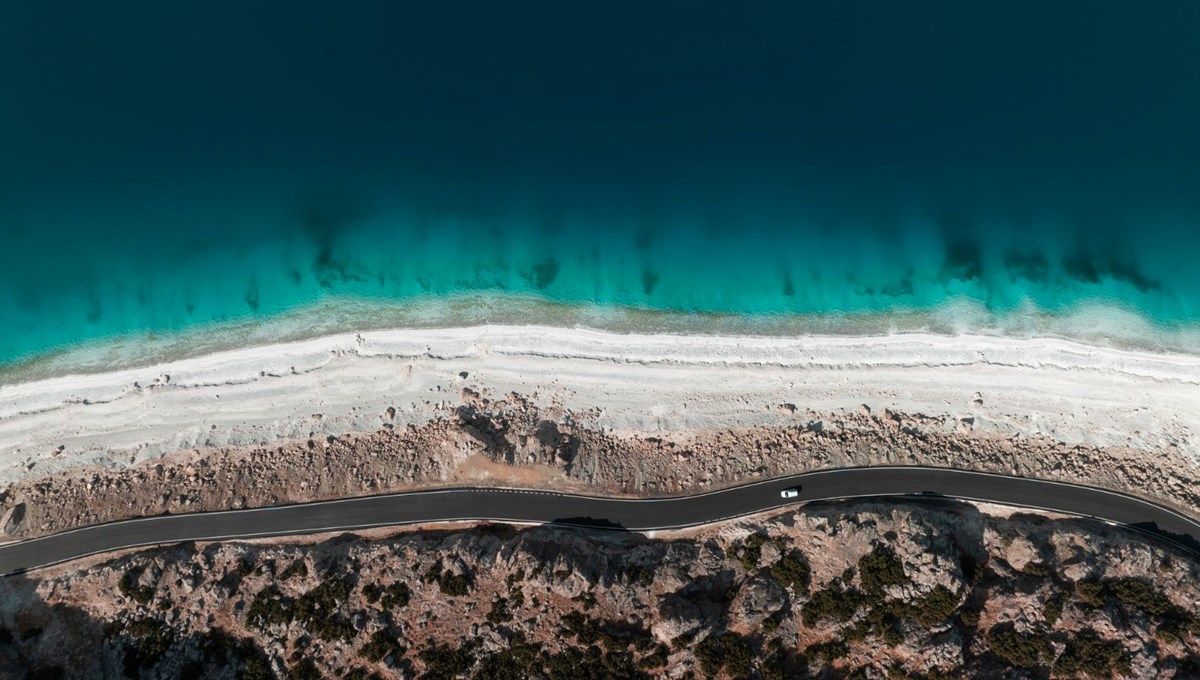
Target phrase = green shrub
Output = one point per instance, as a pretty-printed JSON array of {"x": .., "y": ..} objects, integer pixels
[
  {"x": 150, "y": 639},
  {"x": 832, "y": 603},
  {"x": 1054, "y": 606},
  {"x": 750, "y": 554},
  {"x": 304, "y": 669},
  {"x": 499, "y": 613},
  {"x": 829, "y": 651},
  {"x": 446, "y": 661},
  {"x": 519, "y": 660},
  {"x": 772, "y": 622},
  {"x": 892, "y": 636},
  {"x": 1090, "y": 656},
  {"x": 269, "y": 607},
  {"x": 128, "y": 585},
  {"x": 655, "y": 659},
  {"x": 383, "y": 643},
  {"x": 296, "y": 568},
  {"x": 1032, "y": 568},
  {"x": 396, "y": 595},
  {"x": 316, "y": 609},
  {"x": 725, "y": 651},
  {"x": 1090, "y": 593},
  {"x": 791, "y": 572},
  {"x": 1140, "y": 595},
  {"x": 455, "y": 585},
  {"x": 880, "y": 569},
  {"x": 935, "y": 607},
  {"x": 587, "y": 599},
  {"x": 1023, "y": 650},
  {"x": 514, "y": 578},
  {"x": 683, "y": 641}
]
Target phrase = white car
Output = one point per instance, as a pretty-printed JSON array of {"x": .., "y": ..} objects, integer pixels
[{"x": 790, "y": 493}]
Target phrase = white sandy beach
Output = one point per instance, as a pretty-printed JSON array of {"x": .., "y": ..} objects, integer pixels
[{"x": 1072, "y": 392}]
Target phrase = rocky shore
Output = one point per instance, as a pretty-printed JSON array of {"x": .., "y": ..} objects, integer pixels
[
  {"x": 861, "y": 590},
  {"x": 513, "y": 439}
]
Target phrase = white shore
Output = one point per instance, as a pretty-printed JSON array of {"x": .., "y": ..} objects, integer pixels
[{"x": 1068, "y": 391}]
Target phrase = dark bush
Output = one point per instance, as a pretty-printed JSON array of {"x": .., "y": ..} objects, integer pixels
[
  {"x": 1140, "y": 595},
  {"x": 297, "y": 568},
  {"x": 750, "y": 552},
  {"x": 1090, "y": 593},
  {"x": 1023, "y": 650},
  {"x": 519, "y": 660},
  {"x": 727, "y": 651},
  {"x": 833, "y": 603},
  {"x": 444, "y": 662},
  {"x": 880, "y": 569},
  {"x": 304, "y": 669},
  {"x": 316, "y": 609},
  {"x": 1054, "y": 606},
  {"x": 935, "y": 607},
  {"x": 456, "y": 585},
  {"x": 395, "y": 595},
  {"x": 383, "y": 643},
  {"x": 128, "y": 585},
  {"x": 791, "y": 572},
  {"x": 829, "y": 651},
  {"x": 1090, "y": 656},
  {"x": 1038, "y": 569},
  {"x": 499, "y": 612}
]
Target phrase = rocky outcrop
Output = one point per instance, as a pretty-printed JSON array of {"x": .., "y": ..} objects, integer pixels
[
  {"x": 513, "y": 440},
  {"x": 872, "y": 590}
]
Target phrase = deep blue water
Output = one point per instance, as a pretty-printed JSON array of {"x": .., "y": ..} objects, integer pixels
[{"x": 165, "y": 166}]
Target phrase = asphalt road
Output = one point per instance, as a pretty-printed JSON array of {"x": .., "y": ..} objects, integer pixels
[{"x": 635, "y": 515}]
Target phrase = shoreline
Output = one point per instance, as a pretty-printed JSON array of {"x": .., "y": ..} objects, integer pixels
[
  {"x": 1094, "y": 324},
  {"x": 634, "y": 383}
]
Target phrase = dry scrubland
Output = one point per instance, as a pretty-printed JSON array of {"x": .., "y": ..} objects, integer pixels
[{"x": 863, "y": 590}]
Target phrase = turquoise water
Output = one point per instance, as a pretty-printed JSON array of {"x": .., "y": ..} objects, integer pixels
[{"x": 200, "y": 168}]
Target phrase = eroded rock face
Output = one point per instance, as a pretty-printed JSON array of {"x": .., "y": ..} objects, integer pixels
[
  {"x": 865, "y": 589},
  {"x": 513, "y": 440}
]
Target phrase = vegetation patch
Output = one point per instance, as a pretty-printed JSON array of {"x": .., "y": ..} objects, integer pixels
[
  {"x": 1088, "y": 655},
  {"x": 317, "y": 609},
  {"x": 792, "y": 572},
  {"x": 447, "y": 661},
  {"x": 1054, "y": 606},
  {"x": 499, "y": 612},
  {"x": 1023, "y": 650},
  {"x": 389, "y": 597},
  {"x": 832, "y": 603},
  {"x": 879, "y": 570},
  {"x": 149, "y": 640},
  {"x": 614, "y": 635},
  {"x": 384, "y": 643},
  {"x": 449, "y": 583},
  {"x": 128, "y": 585},
  {"x": 727, "y": 651},
  {"x": 749, "y": 553},
  {"x": 296, "y": 568}
]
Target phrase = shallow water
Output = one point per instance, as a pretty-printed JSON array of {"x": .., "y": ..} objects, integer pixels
[{"x": 170, "y": 170}]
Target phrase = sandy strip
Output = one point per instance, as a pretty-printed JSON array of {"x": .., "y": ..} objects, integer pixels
[{"x": 1076, "y": 393}]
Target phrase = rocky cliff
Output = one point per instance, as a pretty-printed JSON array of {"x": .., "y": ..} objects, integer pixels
[{"x": 865, "y": 590}]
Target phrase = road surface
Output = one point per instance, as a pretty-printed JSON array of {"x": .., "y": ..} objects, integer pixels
[{"x": 526, "y": 506}]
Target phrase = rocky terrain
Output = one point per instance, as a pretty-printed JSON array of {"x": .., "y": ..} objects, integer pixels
[
  {"x": 861, "y": 590},
  {"x": 513, "y": 439}
]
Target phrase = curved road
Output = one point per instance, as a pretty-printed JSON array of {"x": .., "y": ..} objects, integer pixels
[{"x": 511, "y": 505}]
